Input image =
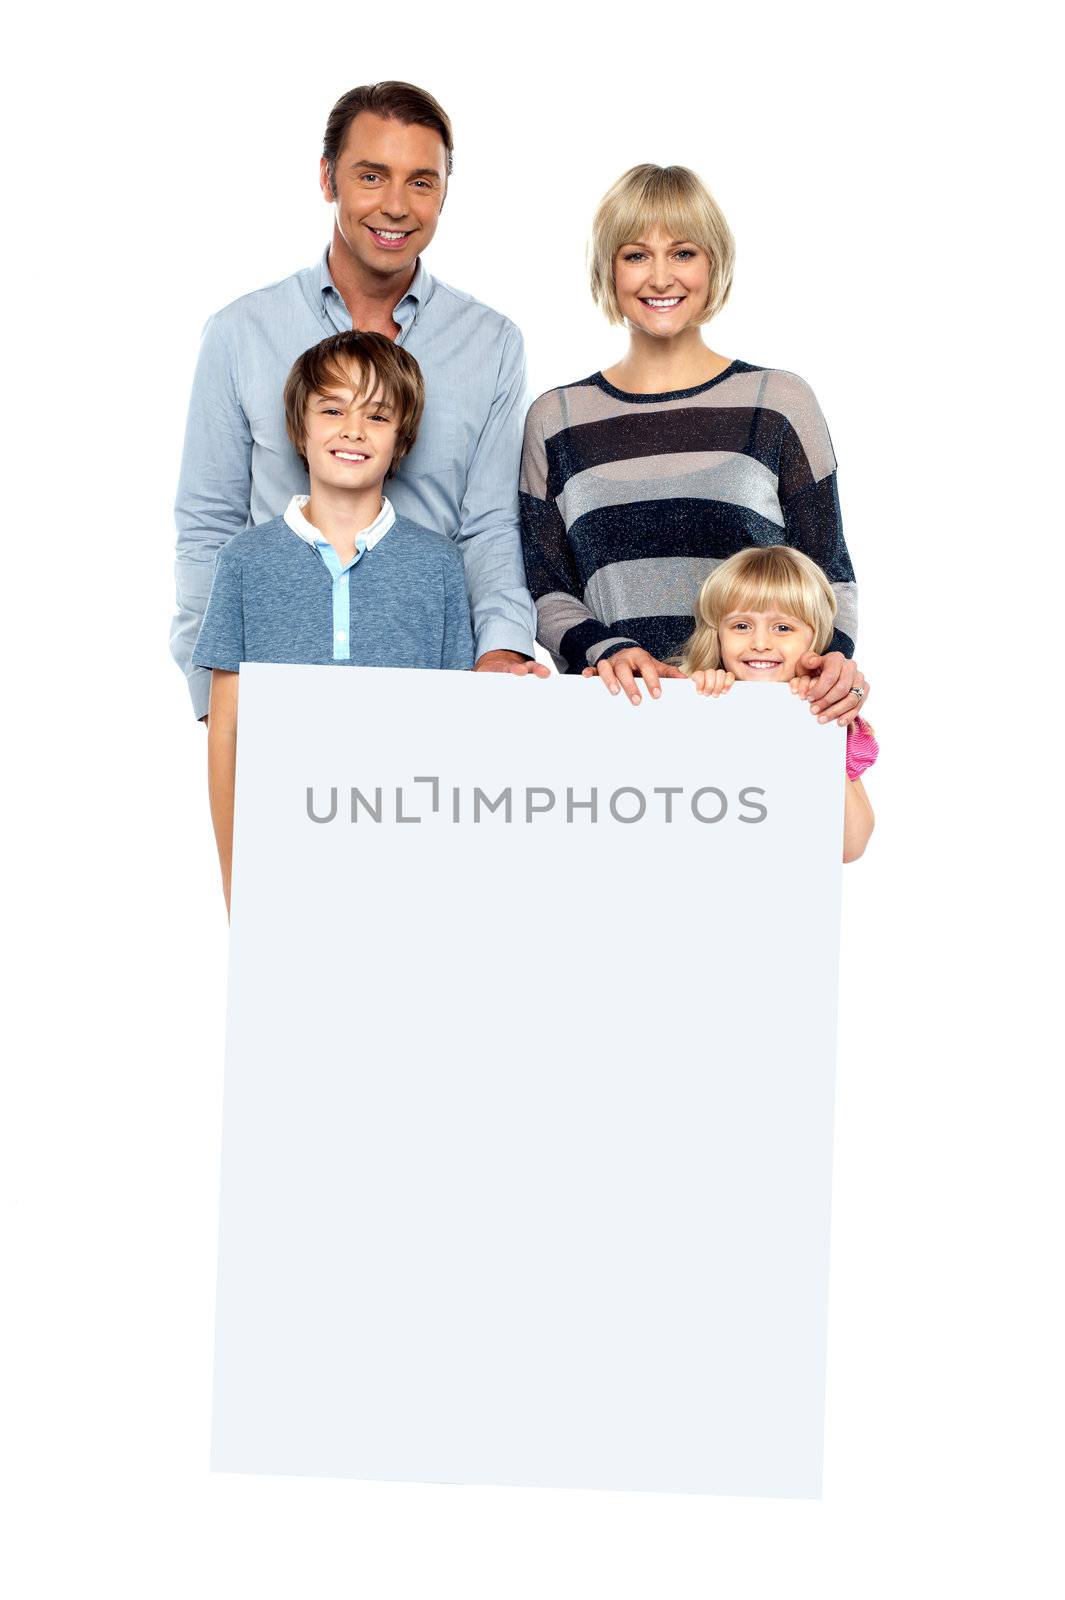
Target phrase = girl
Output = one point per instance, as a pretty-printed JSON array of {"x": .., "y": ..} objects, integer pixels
[{"x": 757, "y": 615}]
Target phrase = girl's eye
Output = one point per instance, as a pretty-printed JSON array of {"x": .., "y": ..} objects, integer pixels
[{"x": 740, "y": 626}]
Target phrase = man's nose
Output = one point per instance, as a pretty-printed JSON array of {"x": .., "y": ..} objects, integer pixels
[{"x": 394, "y": 203}]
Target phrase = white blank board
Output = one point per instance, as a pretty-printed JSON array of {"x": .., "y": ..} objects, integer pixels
[{"x": 528, "y": 1123}]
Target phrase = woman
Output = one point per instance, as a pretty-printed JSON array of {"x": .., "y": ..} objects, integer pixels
[{"x": 638, "y": 480}]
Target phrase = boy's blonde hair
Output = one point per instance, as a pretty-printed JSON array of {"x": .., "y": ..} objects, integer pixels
[
  {"x": 764, "y": 578},
  {"x": 675, "y": 199}
]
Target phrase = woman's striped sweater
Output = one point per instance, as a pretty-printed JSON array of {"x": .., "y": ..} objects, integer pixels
[{"x": 628, "y": 501}]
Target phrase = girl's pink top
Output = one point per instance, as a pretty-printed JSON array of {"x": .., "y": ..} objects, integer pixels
[{"x": 862, "y": 748}]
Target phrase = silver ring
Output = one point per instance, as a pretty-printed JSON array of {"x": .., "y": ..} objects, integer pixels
[{"x": 860, "y": 693}]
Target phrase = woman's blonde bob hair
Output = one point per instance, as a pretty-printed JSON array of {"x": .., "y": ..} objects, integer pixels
[
  {"x": 675, "y": 199},
  {"x": 764, "y": 578}
]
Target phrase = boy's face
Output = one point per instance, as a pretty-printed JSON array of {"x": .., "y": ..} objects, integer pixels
[
  {"x": 763, "y": 646},
  {"x": 350, "y": 437}
]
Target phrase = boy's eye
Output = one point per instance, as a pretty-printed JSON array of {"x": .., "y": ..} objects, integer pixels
[{"x": 377, "y": 417}]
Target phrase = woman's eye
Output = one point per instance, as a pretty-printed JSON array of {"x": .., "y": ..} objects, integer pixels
[
  {"x": 685, "y": 255},
  {"x": 635, "y": 255}
]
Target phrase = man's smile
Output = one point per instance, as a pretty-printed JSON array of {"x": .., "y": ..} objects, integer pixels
[{"x": 389, "y": 238}]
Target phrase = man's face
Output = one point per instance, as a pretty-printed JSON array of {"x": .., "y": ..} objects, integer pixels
[{"x": 388, "y": 188}]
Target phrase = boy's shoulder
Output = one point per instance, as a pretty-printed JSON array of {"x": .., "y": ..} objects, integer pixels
[
  {"x": 428, "y": 542},
  {"x": 257, "y": 543}
]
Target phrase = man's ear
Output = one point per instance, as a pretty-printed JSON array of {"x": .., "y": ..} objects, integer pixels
[{"x": 323, "y": 179}]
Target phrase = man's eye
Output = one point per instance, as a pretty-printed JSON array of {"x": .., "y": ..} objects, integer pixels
[{"x": 371, "y": 177}]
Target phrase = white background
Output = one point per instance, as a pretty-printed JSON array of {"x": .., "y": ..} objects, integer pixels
[{"x": 890, "y": 177}]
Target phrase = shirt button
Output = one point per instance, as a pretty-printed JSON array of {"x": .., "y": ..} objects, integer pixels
[{"x": 340, "y": 636}]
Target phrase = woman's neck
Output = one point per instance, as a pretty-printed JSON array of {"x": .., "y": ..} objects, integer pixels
[{"x": 657, "y": 366}]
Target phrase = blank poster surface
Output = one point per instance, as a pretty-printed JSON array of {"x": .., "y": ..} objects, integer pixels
[{"x": 527, "y": 1140}]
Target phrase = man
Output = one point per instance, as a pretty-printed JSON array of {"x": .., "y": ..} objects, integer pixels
[{"x": 384, "y": 169}]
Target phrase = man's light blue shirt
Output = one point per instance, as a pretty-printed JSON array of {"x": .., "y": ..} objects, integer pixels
[{"x": 461, "y": 478}]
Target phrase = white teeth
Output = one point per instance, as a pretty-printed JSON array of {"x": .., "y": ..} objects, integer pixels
[
  {"x": 383, "y": 235},
  {"x": 673, "y": 302},
  {"x": 349, "y": 455}
]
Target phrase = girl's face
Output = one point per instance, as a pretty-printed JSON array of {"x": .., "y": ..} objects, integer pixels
[
  {"x": 662, "y": 284},
  {"x": 763, "y": 646}
]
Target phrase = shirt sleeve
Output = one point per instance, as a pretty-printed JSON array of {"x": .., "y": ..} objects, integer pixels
[
  {"x": 488, "y": 534},
  {"x": 565, "y": 626},
  {"x": 213, "y": 498},
  {"x": 457, "y": 649},
  {"x": 813, "y": 522},
  {"x": 221, "y": 640}
]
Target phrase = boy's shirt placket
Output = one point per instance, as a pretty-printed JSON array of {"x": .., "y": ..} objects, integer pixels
[
  {"x": 341, "y": 593},
  {"x": 339, "y": 575}
]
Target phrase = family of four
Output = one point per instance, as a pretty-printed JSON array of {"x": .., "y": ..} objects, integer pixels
[{"x": 673, "y": 516}]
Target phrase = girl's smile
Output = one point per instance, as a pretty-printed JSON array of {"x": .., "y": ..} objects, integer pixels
[{"x": 766, "y": 646}]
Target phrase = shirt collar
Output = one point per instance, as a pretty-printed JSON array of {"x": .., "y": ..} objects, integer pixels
[
  {"x": 310, "y": 535},
  {"x": 417, "y": 296}
]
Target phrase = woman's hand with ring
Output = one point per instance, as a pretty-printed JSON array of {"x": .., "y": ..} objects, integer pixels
[{"x": 830, "y": 698}]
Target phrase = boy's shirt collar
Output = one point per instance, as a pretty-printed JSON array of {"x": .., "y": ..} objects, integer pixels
[{"x": 310, "y": 535}]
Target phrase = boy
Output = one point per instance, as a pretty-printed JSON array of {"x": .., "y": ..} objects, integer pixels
[{"x": 339, "y": 578}]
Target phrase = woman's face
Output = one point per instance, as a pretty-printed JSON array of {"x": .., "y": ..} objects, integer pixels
[
  {"x": 662, "y": 284},
  {"x": 763, "y": 646}
]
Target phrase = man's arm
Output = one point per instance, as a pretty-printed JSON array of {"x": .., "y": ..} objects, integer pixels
[
  {"x": 222, "y": 768},
  {"x": 213, "y": 498},
  {"x": 488, "y": 534}
]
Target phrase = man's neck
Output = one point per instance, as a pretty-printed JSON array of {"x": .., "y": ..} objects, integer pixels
[
  {"x": 340, "y": 515},
  {"x": 371, "y": 297}
]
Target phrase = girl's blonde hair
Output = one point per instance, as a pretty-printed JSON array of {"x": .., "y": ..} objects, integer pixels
[
  {"x": 764, "y": 578},
  {"x": 675, "y": 199}
]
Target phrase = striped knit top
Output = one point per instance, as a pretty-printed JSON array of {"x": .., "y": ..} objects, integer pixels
[{"x": 628, "y": 501}]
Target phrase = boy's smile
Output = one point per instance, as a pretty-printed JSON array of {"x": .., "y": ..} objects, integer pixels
[
  {"x": 350, "y": 438},
  {"x": 763, "y": 646}
]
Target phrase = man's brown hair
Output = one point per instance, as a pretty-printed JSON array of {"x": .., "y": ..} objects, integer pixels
[
  {"x": 403, "y": 101},
  {"x": 363, "y": 362}
]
